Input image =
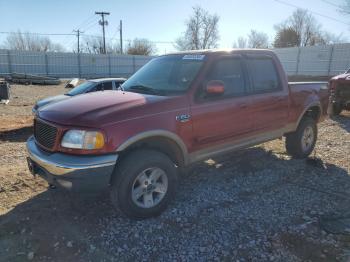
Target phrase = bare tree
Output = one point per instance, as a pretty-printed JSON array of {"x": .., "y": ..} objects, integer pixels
[
  {"x": 307, "y": 29},
  {"x": 31, "y": 42},
  {"x": 258, "y": 39},
  {"x": 330, "y": 38},
  {"x": 201, "y": 31},
  {"x": 94, "y": 45},
  {"x": 345, "y": 7},
  {"x": 302, "y": 29},
  {"x": 240, "y": 43},
  {"x": 286, "y": 37},
  {"x": 141, "y": 47}
]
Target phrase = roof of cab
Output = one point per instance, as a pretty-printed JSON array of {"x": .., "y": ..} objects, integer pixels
[
  {"x": 98, "y": 80},
  {"x": 229, "y": 50}
]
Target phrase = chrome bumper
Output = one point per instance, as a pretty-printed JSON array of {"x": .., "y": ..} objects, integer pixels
[{"x": 71, "y": 171}]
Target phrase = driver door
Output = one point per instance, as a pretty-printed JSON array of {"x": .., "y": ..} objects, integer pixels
[{"x": 218, "y": 119}]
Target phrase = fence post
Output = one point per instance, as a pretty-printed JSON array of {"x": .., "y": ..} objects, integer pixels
[
  {"x": 133, "y": 64},
  {"x": 79, "y": 65},
  {"x": 298, "y": 61},
  {"x": 109, "y": 66},
  {"x": 330, "y": 60},
  {"x": 9, "y": 61},
  {"x": 46, "y": 65}
]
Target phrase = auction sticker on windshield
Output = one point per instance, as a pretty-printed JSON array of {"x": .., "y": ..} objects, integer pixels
[{"x": 193, "y": 57}]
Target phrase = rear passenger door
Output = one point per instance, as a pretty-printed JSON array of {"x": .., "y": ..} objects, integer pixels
[{"x": 269, "y": 97}]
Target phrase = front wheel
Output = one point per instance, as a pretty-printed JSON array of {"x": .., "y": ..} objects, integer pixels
[
  {"x": 144, "y": 183},
  {"x": 301, "y": 143}
]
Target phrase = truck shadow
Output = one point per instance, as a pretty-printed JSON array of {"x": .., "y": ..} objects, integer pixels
[
  {"x": 343, "y": 120},
  {"x": 56, "y": 216},
  {"x": 16, "y": 135}
]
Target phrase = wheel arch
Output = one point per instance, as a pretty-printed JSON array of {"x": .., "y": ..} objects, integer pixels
[
  {"x": 165, "y": 141},
  {"x": 313, "y": 110}
]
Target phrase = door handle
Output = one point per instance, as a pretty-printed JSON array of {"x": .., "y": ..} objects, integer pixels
[
  {"x": 279, "y": 99},
  {"x": 243, "y": 105}
]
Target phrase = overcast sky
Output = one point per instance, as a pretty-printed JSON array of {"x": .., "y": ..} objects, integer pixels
[{"x": 159, "y": 20}]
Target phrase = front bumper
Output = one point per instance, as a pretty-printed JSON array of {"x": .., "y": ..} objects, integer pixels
[{"x": 77, "y": 173}]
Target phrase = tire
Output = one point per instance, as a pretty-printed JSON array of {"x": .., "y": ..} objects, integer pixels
[
  {"x": 337, "y": 109},
  {"x": 296, "y": 144},
  {"x": 130, "y": 176}
]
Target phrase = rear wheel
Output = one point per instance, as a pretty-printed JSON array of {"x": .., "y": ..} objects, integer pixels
[
  {"x": 301, "y": 143},
  {"x": 144, "y": 184}
]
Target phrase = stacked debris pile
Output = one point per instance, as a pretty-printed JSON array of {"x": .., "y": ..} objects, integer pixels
[{"x": 28, "y": 79}]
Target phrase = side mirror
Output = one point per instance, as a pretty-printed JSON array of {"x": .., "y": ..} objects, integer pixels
[{"x": 215, "y": 87}]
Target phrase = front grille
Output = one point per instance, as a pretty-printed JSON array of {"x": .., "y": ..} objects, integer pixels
[{"x": 45, "y": 134}]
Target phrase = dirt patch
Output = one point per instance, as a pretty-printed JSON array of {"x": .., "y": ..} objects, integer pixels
[{"x": 254, "y": 205}]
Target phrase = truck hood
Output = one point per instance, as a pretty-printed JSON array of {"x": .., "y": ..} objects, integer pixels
[{"x": 101, "y": 108}]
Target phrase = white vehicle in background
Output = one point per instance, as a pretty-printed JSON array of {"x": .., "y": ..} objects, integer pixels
[{"x": 88, "y": 86}]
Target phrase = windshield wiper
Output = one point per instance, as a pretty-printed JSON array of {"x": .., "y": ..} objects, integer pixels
[{"x": 143, "y": 88}]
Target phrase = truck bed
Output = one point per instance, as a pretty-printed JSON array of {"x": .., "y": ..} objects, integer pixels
[{"x": 298, "y": 91}]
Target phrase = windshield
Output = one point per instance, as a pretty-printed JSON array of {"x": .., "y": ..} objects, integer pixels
[
  {"x": 81, "y": 89},
  {"x": 165, "y": 75}
]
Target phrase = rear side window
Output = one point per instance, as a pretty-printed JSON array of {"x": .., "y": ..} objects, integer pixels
[
  {"x": 229, "y": 70},
  {"x": 264, "y": 75}
]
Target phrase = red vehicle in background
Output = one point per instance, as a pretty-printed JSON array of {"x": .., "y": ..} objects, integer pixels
[
  {"x": 340, "y": 92},
  {"x": 177, "y": 110}
]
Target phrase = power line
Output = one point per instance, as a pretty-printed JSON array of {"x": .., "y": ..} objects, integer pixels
[
  {"x": 330, "y": 3},
  {"x": 89, "y": 25},
  {"x": 85, "y": 28},
  {"x": 71, "y": 41},
  {"x": 86, "y": 21},
  {"x": 34, "y": 33},
  {"x": 313, "y": 12}
]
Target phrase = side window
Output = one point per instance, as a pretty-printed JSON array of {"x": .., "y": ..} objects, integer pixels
[
  {"x": 263, "y": 74},
  {"x": 104, "y": 86},
  {"x": 118, "y": 84},
  {"x": 107, "y": 85},
  {"x": 98, "y": 87},
  {"x": 229, "y": 70}
]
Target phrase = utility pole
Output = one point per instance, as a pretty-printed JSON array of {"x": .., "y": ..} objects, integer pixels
[
  {"x": 78, "y": 36},
  {"x": 121, "y": 36},
  {"x": 103, "y": 23}
]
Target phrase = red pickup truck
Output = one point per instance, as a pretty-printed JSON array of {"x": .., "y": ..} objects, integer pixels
[
  {"x": 177, "y": 110},
  {"x": 340, "y": 92}
]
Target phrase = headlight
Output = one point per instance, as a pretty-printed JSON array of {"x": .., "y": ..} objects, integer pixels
[{"x": 81, "y": 139}]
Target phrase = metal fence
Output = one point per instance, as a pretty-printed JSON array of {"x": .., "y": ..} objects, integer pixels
[
  {"x": 315, "y": 60},
  {"x": 67, "y": 65},
  {"x": 307, "y": 61}
]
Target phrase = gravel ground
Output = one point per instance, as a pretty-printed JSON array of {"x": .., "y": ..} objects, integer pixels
[{"x": 252, "y": 205}]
